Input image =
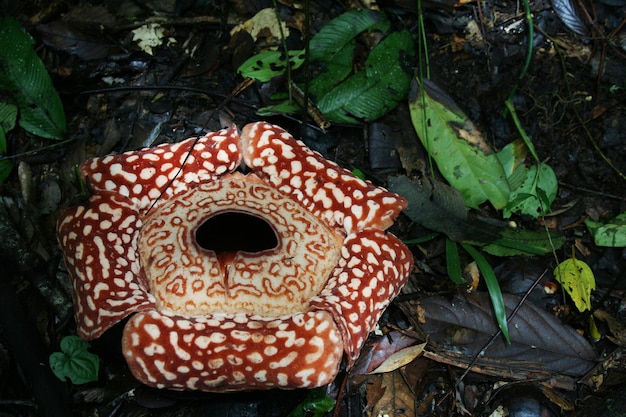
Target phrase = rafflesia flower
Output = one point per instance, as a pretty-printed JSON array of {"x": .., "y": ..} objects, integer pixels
[{"x": 232, "y": 280}]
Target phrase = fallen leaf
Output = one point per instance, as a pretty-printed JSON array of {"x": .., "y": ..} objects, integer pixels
[
  {"x": 397, "y": 398},
  {"x": 87, "y": 41},
  {"x": 264, "y": 24},
  {"x": 378, "y": 349},
  {"x": 400, "y": 359},
  {"x": 150, "y": 36},
  {"x": 617, "y": 329},
  {"x": 437, "y": 206},
  {"x": 460, "y": 326}
]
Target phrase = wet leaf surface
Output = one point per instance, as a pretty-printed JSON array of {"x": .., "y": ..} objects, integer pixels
[{"x": 461, "y": 326}]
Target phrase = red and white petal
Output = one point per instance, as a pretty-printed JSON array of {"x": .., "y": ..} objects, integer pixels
[
  {"x": 145, "y": 174},
  {"x": 232, "y": 352},
  {"x": 374, "y": 267},
  {"x": 330, "y": 192},
  {"x": 99, "y": 244}
]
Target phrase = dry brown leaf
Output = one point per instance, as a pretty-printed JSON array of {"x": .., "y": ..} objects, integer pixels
[
  {"x": 617, "y": 329},
  {"x": 397, "y": 400},
  {"x": 399, "y": 359},
  {"x": 460, "y": 327},
  {"x": 263, "y": 25}
]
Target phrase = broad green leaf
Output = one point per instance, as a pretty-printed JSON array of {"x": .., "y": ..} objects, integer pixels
[
  {"x": 341, "y": 31},
  {"x": 369, "y": 94},
  {"x": 536, "y": 194},
  {"x": 333, "y": 72},
  {"x": 332, "y": 49},
  {"x": 577, "y": 279},
  {"x": 493, "y": 287},
  {"x": 612, "y": 234},
  {"x": 269, "y": 64},
  {"x": 515, "y": 242},
  {"x": 512, "y": 157},
  {"x": 316, "y": 404},
  {"x": 24, "y": 77},
  {"x": 452, "y": 140},
  {"x": 75, "y": 361}
]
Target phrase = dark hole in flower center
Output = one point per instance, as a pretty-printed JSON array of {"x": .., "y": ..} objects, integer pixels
[{"x": 235, "y": 231}]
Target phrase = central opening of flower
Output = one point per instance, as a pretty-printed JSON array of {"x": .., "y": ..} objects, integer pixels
[
  {"x": 235, "y": 231},
  {"x": 233, "y": 246}
]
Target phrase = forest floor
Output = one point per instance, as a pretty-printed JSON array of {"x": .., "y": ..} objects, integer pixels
[{"x": 120, "y": 95}]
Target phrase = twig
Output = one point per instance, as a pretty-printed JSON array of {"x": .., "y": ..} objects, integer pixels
[{"x": 493, "y": 338}]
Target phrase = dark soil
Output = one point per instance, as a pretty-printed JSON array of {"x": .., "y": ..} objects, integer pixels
[{"x": 571, "y": 102}]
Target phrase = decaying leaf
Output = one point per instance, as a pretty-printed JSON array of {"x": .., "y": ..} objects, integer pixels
[
  {"x": 566, "y": 11},
  {"x": 264, "y": 24},
  {"x": 400, "y": 359},
  {"x": 460, "y": 326},
  {"x": 378, "y": 349},
  {"x": 389, "y": 395},
  {"x": 618, "y": 330},
  {"x": 150, "y": 36},
  {"x": 87, "y": 41},
  {"x": 439, "y": 207},
  {"x": 577, "y": 279}
]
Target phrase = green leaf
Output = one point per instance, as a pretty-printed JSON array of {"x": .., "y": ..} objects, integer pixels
[
  {"x": 24, "y": 77},
  {"x": 333, "y": 72},
  {"x": 341, "y": 31},
  {"x": 493, "y": 287},
  {"x": 358, "y": 173},
  {"x": 316, "y": 404},
  {"x": 269, "y": 64},
  {"x": 516, "y": 242},
  {"x": 453, "y": 263},
  {"x": 536, "y": 194},
  {"x": 74, "y": 361},
  {"x": 8, "y": 117},
  {"x": 578, "y": 281},
  {"x": 6, "y": 165},
  {"x": 369, "y": 94},
  {"x": 611, "y": 235},
  {"x": 457, "y": 147},
  {"x": 284, "y": 107},
  {"x": 512, "y": 158}
]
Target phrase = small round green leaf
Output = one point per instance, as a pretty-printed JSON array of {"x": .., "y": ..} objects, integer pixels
[{"x": 75, "y": 362}]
